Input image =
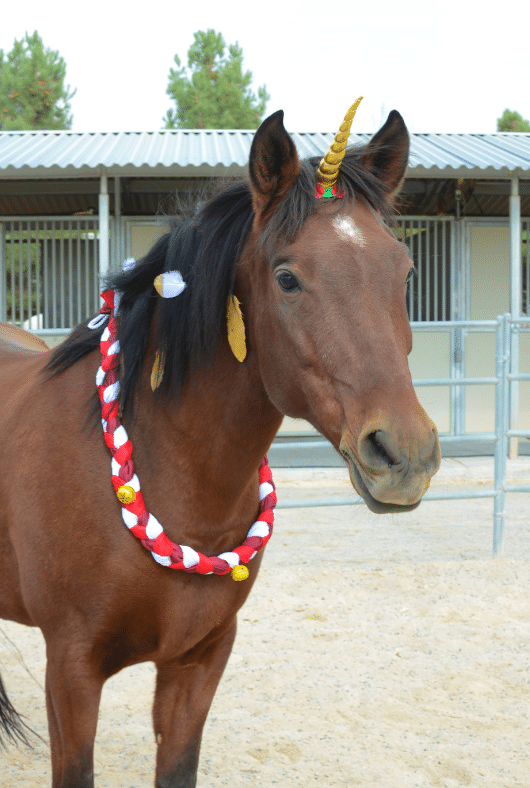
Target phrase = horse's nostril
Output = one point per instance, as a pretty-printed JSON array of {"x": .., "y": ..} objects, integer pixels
[{"x": 376, "y": 450}]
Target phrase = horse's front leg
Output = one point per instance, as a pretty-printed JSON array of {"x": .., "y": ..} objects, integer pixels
[
  {"x": 73, "y": 693},
  {"x": 184, "y": 693}
]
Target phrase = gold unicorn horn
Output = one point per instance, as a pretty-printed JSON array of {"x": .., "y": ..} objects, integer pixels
[{"x": 328, "y": 169}]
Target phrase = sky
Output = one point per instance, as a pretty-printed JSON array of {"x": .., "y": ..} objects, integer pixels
[{"x": 451, "y": 66}]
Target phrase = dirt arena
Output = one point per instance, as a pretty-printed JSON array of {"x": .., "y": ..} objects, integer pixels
[{"x": 385, "y": 652}]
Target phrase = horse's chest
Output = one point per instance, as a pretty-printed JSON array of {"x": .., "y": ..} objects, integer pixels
[{"x": 167, "y": 619}]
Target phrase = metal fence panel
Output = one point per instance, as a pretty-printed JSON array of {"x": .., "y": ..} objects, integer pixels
[
  {"x": 429, "y": 241},
  {"x": 50, "y": 269}
]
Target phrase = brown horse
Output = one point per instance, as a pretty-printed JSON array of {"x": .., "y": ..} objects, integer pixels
[{"x": 321, "y": 284}]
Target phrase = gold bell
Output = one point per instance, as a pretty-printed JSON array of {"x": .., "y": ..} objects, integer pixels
[
  {"x": 240, "y": 572},
  {"x": 126, "y": 494}
]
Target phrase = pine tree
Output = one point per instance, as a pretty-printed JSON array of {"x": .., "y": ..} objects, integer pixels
[
  {"x": 213, "y": 92},
  {"x": 32, "y": 90},
  {"x": 512, "y": 121}
]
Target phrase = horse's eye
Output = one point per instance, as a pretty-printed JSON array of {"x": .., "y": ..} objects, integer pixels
[
  {"x": 287, "y": 282},
  {"x": 410, "y": 274}
]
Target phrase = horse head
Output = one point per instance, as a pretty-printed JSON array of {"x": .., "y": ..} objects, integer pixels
[{"x": 324, "y": 284}]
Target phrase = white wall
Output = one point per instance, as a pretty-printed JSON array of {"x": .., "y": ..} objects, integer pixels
[
  {"x": 489, "y": 270},
  {"x": 142, "y": 236},
  {"x": 489, "y": 295},
  {"x": 430, "y": 358}
]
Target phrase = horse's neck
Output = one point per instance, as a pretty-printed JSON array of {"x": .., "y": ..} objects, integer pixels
[{"x": 211, "y": 442}]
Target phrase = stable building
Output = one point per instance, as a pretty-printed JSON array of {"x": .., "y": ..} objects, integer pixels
[{"x": 74, "y": 205}]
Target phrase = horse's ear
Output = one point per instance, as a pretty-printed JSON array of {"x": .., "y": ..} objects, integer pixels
[
  {"x": 387, "y": 153},
  {"x": 273, "y": 165}
]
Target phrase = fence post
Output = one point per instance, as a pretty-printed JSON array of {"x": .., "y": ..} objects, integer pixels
[
  {"x": 516, "y": 280},
  {"x": 502, "y": 359},
  {"x": 103, "y": 227}
]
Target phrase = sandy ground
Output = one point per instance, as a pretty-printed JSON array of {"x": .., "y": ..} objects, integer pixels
[{"x": 373, "y": 651}]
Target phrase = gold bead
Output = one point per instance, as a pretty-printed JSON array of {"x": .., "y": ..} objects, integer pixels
[
  {"x": 126, "y": 494},
  {"x": 240, "y": 572}
]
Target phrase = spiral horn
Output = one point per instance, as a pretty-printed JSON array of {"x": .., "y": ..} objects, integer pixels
[{"x": 328, "y": 169}]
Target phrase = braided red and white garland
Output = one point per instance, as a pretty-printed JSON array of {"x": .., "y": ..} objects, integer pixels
[{"x": 127, "y": 485}]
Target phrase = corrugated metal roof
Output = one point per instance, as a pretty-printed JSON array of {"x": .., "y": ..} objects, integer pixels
[
  {"x": 66, "y": 149},
  {"x": 46, "y": 152},
  {"x": 498, "y": 151}
]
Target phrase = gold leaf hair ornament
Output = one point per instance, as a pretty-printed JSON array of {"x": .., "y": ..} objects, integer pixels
[
  {"x": 236, "y": 328},
  {"x": 328, "y": 169},
  {"x": 157, "y": 373}
]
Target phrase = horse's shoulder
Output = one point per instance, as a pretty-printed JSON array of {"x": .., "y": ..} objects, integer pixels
[{"x": 14, "y": 339}]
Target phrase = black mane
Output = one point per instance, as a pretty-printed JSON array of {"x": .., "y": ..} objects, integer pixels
[{"x": 206, "y": 249}]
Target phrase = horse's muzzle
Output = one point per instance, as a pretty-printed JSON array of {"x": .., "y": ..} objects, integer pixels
[{"x": 392, "y": 474}]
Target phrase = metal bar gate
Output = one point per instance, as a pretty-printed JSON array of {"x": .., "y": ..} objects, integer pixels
[
  {"x": 504, "y": 325},
  {"x": 49, "y": 272}
]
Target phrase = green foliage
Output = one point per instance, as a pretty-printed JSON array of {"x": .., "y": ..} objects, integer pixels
[
  {"x": 512, "y": 121},
  {"x": 32, "y": 90},
  {"x": 213, "y": 92}
]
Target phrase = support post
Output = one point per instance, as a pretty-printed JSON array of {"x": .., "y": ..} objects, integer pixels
[
  {"x": 118, "y": 243},
  {"x": 458, "y": 335},
  {"x": 103, "y": 227},
  {"x": 502, "y": 365},
  {"x": 516, "y": 279}
]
